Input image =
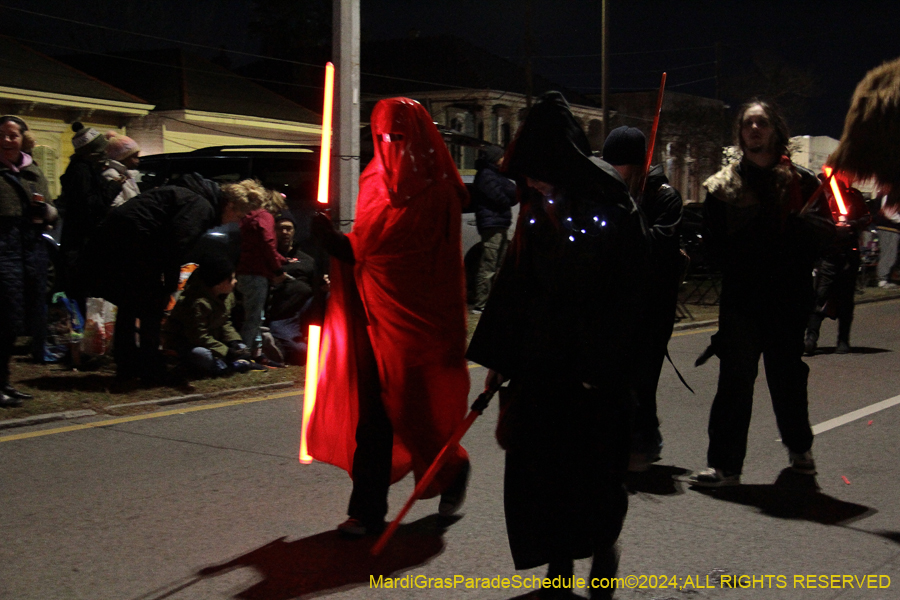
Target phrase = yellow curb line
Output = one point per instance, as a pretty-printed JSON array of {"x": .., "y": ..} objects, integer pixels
[{"x": 165, "y": 413}]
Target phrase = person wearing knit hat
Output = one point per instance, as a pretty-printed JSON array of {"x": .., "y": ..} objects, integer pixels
[
  {"x": 660, "y": 203},
  {"x": 87, "y": 141},
  {"x": 199, "y": 328},
  {"x": 123, "y": 149},
  {"x": 86, "y": 198},
  {"x": 121, "y": 165}
]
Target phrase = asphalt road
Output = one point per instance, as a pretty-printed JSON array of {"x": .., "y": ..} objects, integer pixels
[{"x": 211, "y": 502}]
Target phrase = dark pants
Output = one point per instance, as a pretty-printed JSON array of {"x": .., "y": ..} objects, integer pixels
[
  {"x": 835, "y": 294},
  {"x": 374, "y": 443},
  {"x": 144, "y": 359},
  {"x": 659, "y": 321},
  {"x": 7, "y": 344},
  {"x": 494, "y": 245},
  {"x": 743, "y": 336}
]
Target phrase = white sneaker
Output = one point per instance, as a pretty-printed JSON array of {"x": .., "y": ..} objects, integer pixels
[
  {"x": 711, "y": 477},
  {"x": 887, "y": 285},
  {"x": 803, "y": 462}
]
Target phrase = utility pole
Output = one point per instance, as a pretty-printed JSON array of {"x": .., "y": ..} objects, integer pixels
[
  {"x": 345, "y": 149},
  {"x": 529, "y": 51},
  {"x": 604, "y": 74}
]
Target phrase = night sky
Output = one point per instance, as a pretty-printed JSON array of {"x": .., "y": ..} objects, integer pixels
[{"x": 809, "y": 54}]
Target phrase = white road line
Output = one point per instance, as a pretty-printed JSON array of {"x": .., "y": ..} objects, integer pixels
[{"x": 855, "y": 415}]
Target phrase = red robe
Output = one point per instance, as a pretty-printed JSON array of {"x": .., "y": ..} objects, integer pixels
[{"x": 408, "y": 302}]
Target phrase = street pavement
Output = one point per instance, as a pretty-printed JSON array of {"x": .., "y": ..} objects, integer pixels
[{"x": 210, "y": 501}]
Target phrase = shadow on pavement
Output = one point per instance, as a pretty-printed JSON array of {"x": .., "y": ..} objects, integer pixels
[
  {"x": 658, "y": 480},
  {"x": 793, "y": 496},
  {"x": 326, "y": 561}
]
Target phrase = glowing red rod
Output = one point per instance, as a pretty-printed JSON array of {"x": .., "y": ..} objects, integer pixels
[
  {"x": 309, "y": 394},
  {"x": 325, "y": 153},
  {"x": 315, "y": 332},
  {"x": 836, "y": 190},
  {"x": 652, "y": 141}
]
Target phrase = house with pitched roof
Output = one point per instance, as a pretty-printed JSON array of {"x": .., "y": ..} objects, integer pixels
[
  {"x": 199, "y": 103},
  {"x": 49, "y": 95}
]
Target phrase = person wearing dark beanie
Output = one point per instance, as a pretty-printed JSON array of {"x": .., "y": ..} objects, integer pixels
[
  {"x": 661, "y": 205},
  {"x": 199, "y": 328}
]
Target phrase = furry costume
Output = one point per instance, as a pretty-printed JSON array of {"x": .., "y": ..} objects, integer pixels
[{"x": 870, "y": 143}]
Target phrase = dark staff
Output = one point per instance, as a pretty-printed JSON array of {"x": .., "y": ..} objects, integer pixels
[{"x": 478, "y": 407}]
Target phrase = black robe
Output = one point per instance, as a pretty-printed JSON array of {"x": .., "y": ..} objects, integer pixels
[{"x": 559, "y": 324}]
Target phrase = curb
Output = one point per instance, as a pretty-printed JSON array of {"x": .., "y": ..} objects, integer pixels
[
  {"x": 76, "y": 414},
  {"x": 195, "y": 397},
  {"x": 46, "y": 418},
  {"x": 695, "y": 324}
]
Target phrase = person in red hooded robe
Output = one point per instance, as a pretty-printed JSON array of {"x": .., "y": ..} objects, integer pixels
[{"x": 394, "y": 382}]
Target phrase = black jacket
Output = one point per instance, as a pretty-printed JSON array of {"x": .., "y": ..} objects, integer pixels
[
  {"x": 766, "y": 250},
  {"x": 86, "y": 198},
  {"x": 23, "y": 252},
  {"x": 662, "y": 208},
  {"x": 143, "y": 240},
  {"x": 287, "y": 298},
  {"x": 492, "y": 196}
]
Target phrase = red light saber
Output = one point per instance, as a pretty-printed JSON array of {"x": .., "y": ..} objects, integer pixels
[
  {"x": 478, "y": 407},
  {"x": 315, "y": 332},
  {"x": 836, "y": 190},
  {"x": 652, "y": 141}
]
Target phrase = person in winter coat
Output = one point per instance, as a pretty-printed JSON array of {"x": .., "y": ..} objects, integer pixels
[
  {"x": 560, "y": 327},
  {"x": 626, "y": 148},
  {"x": 260, "y": 262},
  {"x": 85, "y": 200},
  {"x": 123, "y": 160},
  {"x": 394, "y": 383},
  {"x": 199, "y": 328},
  {"x": 25, "y": 212},
  {"x": 765, "y": 236},
  {"x": 492, "y": 196},
  {"x": 134, "y": 261}
]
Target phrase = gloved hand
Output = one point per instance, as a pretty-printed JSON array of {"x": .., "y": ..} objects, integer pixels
[
  {"x": 237, "y": 351},
  {"x": 335, "y": 243}
]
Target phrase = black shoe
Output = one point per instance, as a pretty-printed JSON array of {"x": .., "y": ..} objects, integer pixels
[
  {"x": 454, "y": 496},
  {"x": 12, "y": 392},
  {"x": 810, "y": 345},
  {"x": 354, "y": 528},
  {"x": 842, "y": 347},
  {"x": 9, "y": 401}
]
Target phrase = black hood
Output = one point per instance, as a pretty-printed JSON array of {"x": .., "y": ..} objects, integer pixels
[
  {"x": 551, "y": 146},
  {"x": 201, "y": 186}
]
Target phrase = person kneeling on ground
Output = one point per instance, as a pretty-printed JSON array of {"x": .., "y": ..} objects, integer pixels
[{"x": 199, "y": 328}]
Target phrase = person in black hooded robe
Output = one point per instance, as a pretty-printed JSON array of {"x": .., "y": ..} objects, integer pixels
[{"x": 559, "y": 325}]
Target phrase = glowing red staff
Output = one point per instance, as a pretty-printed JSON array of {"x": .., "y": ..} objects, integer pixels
[
  {"x": 836, "y": 190},
  {"x": 478, "y": 407},
  {"x": 652, "y": 141},
  {"x": 315, "y": 332}
]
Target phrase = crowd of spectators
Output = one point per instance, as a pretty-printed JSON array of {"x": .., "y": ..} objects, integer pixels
[{"x": 131, "y": 249}]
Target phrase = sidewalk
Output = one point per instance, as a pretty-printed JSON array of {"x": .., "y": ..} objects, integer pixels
[{"x": 61, "y": 393}]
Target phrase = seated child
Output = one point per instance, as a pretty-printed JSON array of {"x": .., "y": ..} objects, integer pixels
[{"x": 199, "y": 328}]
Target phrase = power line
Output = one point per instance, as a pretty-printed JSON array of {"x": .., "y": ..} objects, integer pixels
[
  {"x": 159, "y": 38},
  {"x": 660, "y": 51}
]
